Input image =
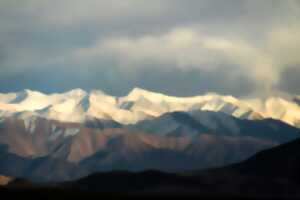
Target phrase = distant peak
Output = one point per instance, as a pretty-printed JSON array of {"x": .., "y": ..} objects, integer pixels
[
  {"x": 98, "y": 92},
  {"x": 138, "y": 90},
  {"x": 211, "y": 94},
  {"x": 24, "y": 94},
  {"x": 27, "y": 91},
  {"x": 77, "y": 92}
]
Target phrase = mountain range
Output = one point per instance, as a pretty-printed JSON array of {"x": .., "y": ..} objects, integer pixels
[
  {"x": 78, "y": 106},
  {"x": 66, "y": 136}
]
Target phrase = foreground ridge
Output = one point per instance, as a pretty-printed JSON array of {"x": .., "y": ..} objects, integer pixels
[{"x": 254, "y": 178}]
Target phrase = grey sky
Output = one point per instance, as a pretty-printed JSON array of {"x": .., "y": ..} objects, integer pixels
[{"x": 173, "y": 46}]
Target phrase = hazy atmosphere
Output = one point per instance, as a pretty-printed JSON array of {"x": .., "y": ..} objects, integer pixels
[
  {"x": 175, "y": 47},
  {"x": 150, "y": 98}
]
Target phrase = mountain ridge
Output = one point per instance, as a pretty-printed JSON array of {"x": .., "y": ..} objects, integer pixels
[
  {"x": 185, "y": 141},
  {"x": 139, "y": 104}
]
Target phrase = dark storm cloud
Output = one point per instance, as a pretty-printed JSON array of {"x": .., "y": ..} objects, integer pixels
[
  {"x": 233, "y": 46},
  {"x": 112, "y": 80},
  {"x": 290, "y": 80}
]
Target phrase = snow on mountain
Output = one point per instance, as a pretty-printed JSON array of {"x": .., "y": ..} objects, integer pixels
[
  {"x": 156, "y": 104},
  {"x": 6, "y": 98},
  {"x": 277, "y": 108},
  {"x": 78, "y": 105}
]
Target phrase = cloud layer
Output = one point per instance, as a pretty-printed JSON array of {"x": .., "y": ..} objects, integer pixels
[{"x": 253, "y": 44}]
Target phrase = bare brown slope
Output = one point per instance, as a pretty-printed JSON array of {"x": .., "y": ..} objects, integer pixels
[
  {"x": 36, "y": 142},
  {"x": 48, "y": 152}
]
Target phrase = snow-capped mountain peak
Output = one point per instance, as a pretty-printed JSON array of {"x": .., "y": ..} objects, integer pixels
[
  {"x": 76, "y": 92},
  {"x": 137, "y": 93},
  {"x": 77, "y": 105}
]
